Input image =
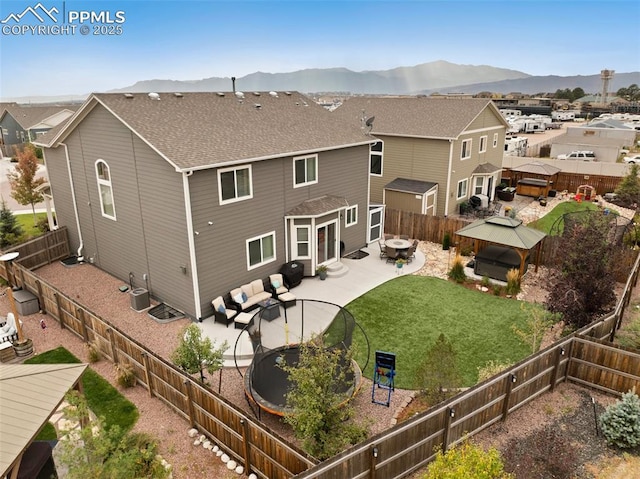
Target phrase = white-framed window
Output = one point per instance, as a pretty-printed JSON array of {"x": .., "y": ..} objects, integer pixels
[
  {"x": 261, "y": 250},
  {"x": 495, "y": 140},
  {"x": 462, "y": 188},
  {"x": 478, "y": 185},
  {"x": 302, "y": 242},
  {"x": 105, "y": 188},
  {"x": 351, "y": 216},
  {"x": 305, "y": 171},
  {"x": 483, "y": 144},
  {"x": 375, "y": 158},
  {"x": 234, "y": 184},
  {"x": 465, "y": 152}
]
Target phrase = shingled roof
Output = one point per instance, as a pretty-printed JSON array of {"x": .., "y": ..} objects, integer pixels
[
  {"x": 201, "y": 130},
  {"x": 442, "y": 118},
  {"x": 29, "y": 116}
]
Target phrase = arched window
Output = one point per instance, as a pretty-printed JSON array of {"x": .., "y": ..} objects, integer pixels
[{"x": 103, "y": 176}]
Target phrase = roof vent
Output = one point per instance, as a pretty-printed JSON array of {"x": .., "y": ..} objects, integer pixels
[
  {"x": 239, "y": 94},
  {"x": 221, "y": 94},
  {"x": 288, "y": 93},
  {"x": 178, "y": 95},
  {"x": 256, "y": 93},
  {"x": 128, "y": 95},
  {"x": 257, "y": 106},
  {"x": 273, "y": 94},
  {"x": 154, "y": 96}
]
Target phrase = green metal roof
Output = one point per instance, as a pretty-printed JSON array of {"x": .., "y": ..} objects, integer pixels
[{"x": 503, "y": 230}]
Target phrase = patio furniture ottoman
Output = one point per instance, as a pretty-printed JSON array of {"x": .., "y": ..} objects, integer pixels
[
  {"x": 288, "y": 299},
  {"x": 242, "y": 320}
]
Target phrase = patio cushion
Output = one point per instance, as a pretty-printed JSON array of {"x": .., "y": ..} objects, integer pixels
[
  {"x": 247, "y": 289},
  {"x": 257, "y": 287}
]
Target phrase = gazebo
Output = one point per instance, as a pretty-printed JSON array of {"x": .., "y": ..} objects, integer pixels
[
  {"x": 534, "y": 179},
  {"x": 29, "y": 395},
  {"x": 511, "y": 236}
]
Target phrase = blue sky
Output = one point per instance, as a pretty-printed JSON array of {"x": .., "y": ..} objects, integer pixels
[{"x": 191, "y": 40}]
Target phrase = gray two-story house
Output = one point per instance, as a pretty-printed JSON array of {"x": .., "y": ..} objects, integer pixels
[
  {"x": 195, "y": 194},
  {"x": 433, "y": 153},
  {"x": 20, "y": 124}
]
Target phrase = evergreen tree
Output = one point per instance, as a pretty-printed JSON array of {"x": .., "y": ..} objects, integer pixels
[
  {"x": 628, "y": 191},
  {"x": 10, "y": 230},
  {"x": 438, "y": 374},
  {"x": 23, "y": 180}
]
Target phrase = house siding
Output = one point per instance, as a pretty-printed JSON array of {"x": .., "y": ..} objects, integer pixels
[
  {"x": 398, "y": 200},
  {"x": 11, "y": 126},
  {"x": 416, "y": 159},
  {"x": 221, "y": 246},
  {"x": 149, "y": 207}
]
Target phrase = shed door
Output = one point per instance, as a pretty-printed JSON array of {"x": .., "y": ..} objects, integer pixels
[{"x": 376, "y": 223}]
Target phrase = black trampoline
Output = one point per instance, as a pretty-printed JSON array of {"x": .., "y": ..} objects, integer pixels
[{"x": 266, "y": 383}]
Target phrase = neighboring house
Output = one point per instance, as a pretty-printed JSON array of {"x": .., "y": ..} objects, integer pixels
[
  {"x": 20, "y": 124},
  {"x": 195, "y": 194},
  {"x": 433, "y": 154}
]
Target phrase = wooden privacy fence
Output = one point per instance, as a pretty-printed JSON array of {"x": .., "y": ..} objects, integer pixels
[
  {"x": 570, "y": 181},
  {"x": 245, "y": 439},
  {"x": 585, "y": 357}
]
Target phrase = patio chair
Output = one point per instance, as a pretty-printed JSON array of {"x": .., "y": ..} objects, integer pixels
[
  {"x": 383, "y": 249},
  {"x": 404, "y": 237},
  {"x": 409, "y": 254},
  {"x": 280, "y": 290},
  {"x": 8, "y": 331},
  {"x": 392, "y": 255},
  {"x": 388, "y": 236},
  {"x": 222, "y": 312}
]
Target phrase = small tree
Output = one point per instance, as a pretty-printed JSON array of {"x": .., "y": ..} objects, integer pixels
[
  {"x": 583, "y": 286},
  {"x": 620, "y": 422},
  {"x": 106, "y": 452},
  {"x": 23, "y": 179},
  {"x": 194, "y": 354},
  {"x": 438, "y": 373},
  {"x": 10, "y": 230},
  {"x": 467, "y": 461},
  {"x": 628, "y": 190},
  {"x": 320, "y": 408},
  {"x": 539, "y": 320}
]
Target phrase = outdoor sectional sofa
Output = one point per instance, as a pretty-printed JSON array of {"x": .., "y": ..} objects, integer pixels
[{"x": 247, "y": 296}]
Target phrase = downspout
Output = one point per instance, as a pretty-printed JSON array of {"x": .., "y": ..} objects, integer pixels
[
  {"x": 448, "y": 192},
  {"x": 192, "y": 244},
  {"x": 75, "y": 205}
]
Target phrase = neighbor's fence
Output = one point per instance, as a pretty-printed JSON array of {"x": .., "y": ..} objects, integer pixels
[
  {"x": 569, "y": 181},
  {"x": 584, "y": 357}
]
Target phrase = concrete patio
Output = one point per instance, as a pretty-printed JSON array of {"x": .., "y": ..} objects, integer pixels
[{"x": 356, "y": 277}]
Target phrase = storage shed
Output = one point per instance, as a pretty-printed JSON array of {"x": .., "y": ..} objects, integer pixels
[
  {"x": 502, "y": 243},
  {"x": 411, "y": 195}
]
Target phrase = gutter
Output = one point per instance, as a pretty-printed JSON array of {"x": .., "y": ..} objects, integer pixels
[{"x": 75, "y": 205}]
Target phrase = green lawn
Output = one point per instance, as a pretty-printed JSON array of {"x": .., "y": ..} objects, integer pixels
[
  {"x": 25, "y": 220},
  {"x": 103, "y": 399},
  {"x": 547, "y": 221},
  {"x": 406, "y": 315}
]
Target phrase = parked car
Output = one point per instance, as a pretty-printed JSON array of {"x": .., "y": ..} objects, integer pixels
[
  {"x": 579, "y": 155},
  {"x": 632, "y": 159}
]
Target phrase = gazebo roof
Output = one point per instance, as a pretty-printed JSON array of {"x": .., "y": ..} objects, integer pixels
[
  {"x": 503, "y": 230},
  {"x": 29, "y": 395},
  {"x": 537, "y": 168}
]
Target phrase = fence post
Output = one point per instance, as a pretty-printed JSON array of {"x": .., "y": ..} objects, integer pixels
[
  {"x": 114, "y": 351},
  {"x": 46, "y": 247},
  {"x": 83, "y": 324},
  {"x": 569, "y": 355},
  {"x": 56, "y": 296},
  {"x": 147, "y": 373},
  {"x": 554, "y": 374},
  {"x": 450, "y": 414},
  {"x": 192, "y": 421},
  {"x": 43, "y": 308},
  {"x": 246, "y": 445},
  {"x": 511, "y": 380},
  {"x": 374, "y": 462}
]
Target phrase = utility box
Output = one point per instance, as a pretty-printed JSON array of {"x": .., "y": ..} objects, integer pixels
[
  {"x": 139, "y": 299},
  {"x": 26, "y": 302}
]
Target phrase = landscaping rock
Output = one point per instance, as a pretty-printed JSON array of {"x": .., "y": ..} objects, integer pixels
[
  {"x": 225, "y": 458},
  {"x": 231, "y": 465},
  {"x": 239, "y": 470},
  {"x": 192, "y": 432}
]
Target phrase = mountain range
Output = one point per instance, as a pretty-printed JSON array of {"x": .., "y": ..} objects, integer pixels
[{"x": 438, "y": 76}]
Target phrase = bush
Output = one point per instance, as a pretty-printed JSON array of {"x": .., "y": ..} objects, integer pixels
[
  {"x": 467, "y": 461},
  {"x": 620, "y": 422},
  {"x": 513, "y": 281},
  {"x": 629, "y": 335},
  {"x": 446, "y": 241},
  {"x": 42, "y": 225},
  {"x": 93, "y": 352},
  {"x": 466, "y": 250},
  {"x": 456, "y": 273},
  {"x": 125, "y": 376},
  {"x": 486, "y": 282}
]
